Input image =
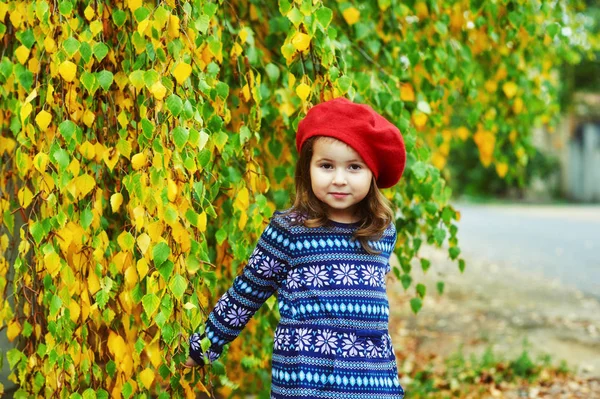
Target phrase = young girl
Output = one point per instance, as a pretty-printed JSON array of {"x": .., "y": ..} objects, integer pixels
[{"x": 327, "y": 258}]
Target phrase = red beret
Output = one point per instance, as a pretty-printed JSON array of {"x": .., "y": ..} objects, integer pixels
[{"x": 376, "y": 140}]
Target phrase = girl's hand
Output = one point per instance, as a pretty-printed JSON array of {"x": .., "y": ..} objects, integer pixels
[{"x": 189, "y": 363}]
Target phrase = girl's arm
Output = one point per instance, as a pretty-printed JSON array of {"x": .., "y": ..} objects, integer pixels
[{"x": 261, "y": 277}]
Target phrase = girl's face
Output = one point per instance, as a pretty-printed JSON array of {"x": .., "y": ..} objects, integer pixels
[{"x": 339, "y": 178}]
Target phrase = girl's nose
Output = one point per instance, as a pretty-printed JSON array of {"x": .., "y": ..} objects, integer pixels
[{"x": 339, "y": 178}]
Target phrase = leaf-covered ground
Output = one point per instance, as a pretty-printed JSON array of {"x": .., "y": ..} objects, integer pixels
[{"x": 496, "y": 333}]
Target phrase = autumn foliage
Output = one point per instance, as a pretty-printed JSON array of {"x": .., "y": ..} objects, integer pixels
[{"x": 144, "y": 144}]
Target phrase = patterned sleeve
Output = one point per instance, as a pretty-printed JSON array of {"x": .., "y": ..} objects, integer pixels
[{"x": 263, "y": 274}]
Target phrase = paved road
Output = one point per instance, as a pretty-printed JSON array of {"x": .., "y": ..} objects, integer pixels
[{"x": 559, "y": 241}]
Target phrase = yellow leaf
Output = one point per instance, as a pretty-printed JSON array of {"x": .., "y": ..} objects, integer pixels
[
  {"x": 134, "y": 4},
  {"x": 181, "y": 72},
  {"x": 115, "y": 201},
  {"x": 243, "y": 220},
  {"x": 491, "y": 86},
  {"x": 419, "y": 119},
  {"x": 518, "y": 105},
  {"x": 74, "y": 310},
  {"x": 67, "y": 71},
  {"x": 158, "y": 90},
  {"x": 40, "y": 162},
  {"x": 171, "y": 190},
  {"x": 93, "y": 282},
  {"x": 173, "y": 29},
  {"x": 16, "y": 18},
  {"x": 301, "y": 41},
  {"x": 123, "y": 119},
  {"x": 22, "y": 54},
  {"x": 407, "y": 93},
  {"x": 246, "y": 92},
  {"x": 85, "y": 183},
  {"x": 189, "y": 306},
  {"x": 202, "y": 221},
  {"x": 131, "y": 277},
  {"x": 89, "y": 13},
  {"x": 25, "y": 196},
  {"x": 351, "y": 15},
  {"x": 510, "y": 89},
  {"x": 88, "y": 118},
  {"x": 154, "y": 353},
  {"x": 87, "y": 150},
  {"x": 143, "y": 241},
  {"x": 43, "y": 119},
  {"x": 13, "y": 330},
  {"x": 462, "y": 133},
  {"x": 138, "y": 161},
  {"x": 147, "y": 377},
  {"x": 303, "y": 90},
  {"x": 501, "y": 169},
  {"x": 142, "y": 268},
  {"x": 111, "y": 161},
  {"x": 52, "y": 263},
  {"x": 49, "y": 44},
  {"x": 96, "y": 27},
  {"x": 116, "y": 346},
  {"x": 25, "y": 111}
]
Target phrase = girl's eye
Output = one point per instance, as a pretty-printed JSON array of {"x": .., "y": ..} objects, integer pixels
[
  {"x": 355, "y": 167},
  {"x": 326, "y": 165}
]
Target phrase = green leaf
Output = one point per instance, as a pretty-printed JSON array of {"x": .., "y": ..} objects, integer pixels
[
  {"x": 553, "y": 29},
  {"x": 86, "y": 218},
  {"x": 166, "y": 269},
  {"x": 222, "y": 90},
  {"x": 419, "y": 169},
  {"x": 202, "y": 23},
  {"x": 439, "y": 235},
  {"x": 424, "y": 107},
  {"x": 454, "y": 252},
  {"x": 284, "y": 6},
  {"x": 178, "y": 285},
  {"x": 119, "y": 17},
  {"x": 180, "y": 136},
  {"x": 174, "y": 104},
  {"x": 324, "y": 16},
  {"x": 272, "y": 72},
  {"x": 221, "y": 235},
  {"x": 127, "y": 390},
  {"x": 425, "y": 264},
  {"x": 37, "y": 232},
  {"x": 416, "y": 304},
  {"x": 100, "y": 51},
  {"x": 160, "y": 253},
  {"x": 421, "y": 290},
  {"x": 65, "y": 7},
  {"x": 55, "y": 305},
  {"x": 6, "y": 67},
  {"x": 150, "y": 304},
  {"x": 71, "y": 46},
  {"x": 440, "y": 287},
  {"x": 150, "y": 77},
  {"x": 406, "y": 280},
  {"x": 14, "y": 356},
  {"x": 192, "y": 217},
  {"x": 105, "y": 78},
  {"x": 89, "y": 81},
  {"x": 461, "y": 265},
  {"x": 26, "y": 79},
  {"x": 67, "y": 129},
  {"x": 141, "y": 13},
  {"x": 344, "y": 83},
  {"x": 60, "y": 158},
  {"x": 245, "y": 134},
  {"x": 86, "y": 52}
]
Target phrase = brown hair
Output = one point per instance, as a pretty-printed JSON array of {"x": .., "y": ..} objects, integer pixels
[{"x": 375, "y": 211}]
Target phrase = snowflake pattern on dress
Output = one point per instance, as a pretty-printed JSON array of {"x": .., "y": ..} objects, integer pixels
[{"x": 332, "y": 340}]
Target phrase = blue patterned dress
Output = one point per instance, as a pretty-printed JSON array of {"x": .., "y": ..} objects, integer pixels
[{"x": 332, "y": 340}]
